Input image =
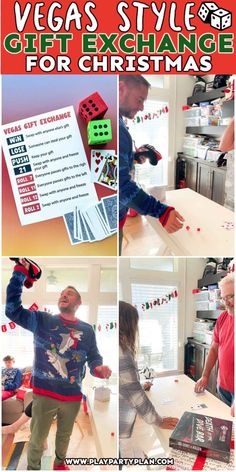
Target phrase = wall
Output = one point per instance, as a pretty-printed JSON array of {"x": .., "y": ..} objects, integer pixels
[
  {"x": 194, "y": 271},
  {"x": 184, "y": 89}
]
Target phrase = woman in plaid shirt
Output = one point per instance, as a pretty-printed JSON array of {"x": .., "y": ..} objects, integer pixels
[{"x": 133, "y": 399}]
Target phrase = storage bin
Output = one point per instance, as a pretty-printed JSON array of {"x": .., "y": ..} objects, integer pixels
[
  {"x": 192, "y": 112},
  {"x": 202, "y": 325},
  {"x": 202, "y": 151},
  {"x": 199, "y": 336},
  {"x": 201, "y": 306},
  {"x": 208, "y": 337},
  {"x": 192, "y": 121},
  {"x": 209, "y": 121},
  {"x": 189, "y": 151},
  {"x": 201, "y": 296},
  {"x": 217, "y": 305},
  {"x": 207, "y": 110},
  {"x": 190, "y": 144},
  {"x": 213, "y": 155},
  {"x": 214, "y": 295}
]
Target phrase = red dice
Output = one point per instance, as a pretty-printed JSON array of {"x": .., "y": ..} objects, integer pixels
[{"x": 92, "y": 107}]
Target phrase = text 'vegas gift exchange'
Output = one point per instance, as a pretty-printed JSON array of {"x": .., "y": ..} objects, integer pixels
[{"x": 47, "y": 165}]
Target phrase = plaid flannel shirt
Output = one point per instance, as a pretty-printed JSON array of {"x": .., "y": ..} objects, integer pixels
[{"x": 132, "y": 399}]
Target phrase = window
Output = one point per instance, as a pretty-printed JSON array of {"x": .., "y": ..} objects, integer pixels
[
  {"x": 107, "y": 336},
  {"x": 158, "y": 327},
  {"x": 108, "y": 281},
  {"x": 154, "y": 132},
  {"x": 17, "y": 342},
  {"x": 158, "y": 263}
]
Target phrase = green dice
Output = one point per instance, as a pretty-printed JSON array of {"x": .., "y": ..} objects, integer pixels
[{"x": 99, "y": 132}]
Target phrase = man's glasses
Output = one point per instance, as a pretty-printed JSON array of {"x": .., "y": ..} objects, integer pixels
[{"x": 227, "y": 298}]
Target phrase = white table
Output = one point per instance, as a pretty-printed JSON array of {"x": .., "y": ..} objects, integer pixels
[
  {"x": 198, "y": 212},
  {"x": 103, "y": 416},
  {"x": 172, "y": 398}
]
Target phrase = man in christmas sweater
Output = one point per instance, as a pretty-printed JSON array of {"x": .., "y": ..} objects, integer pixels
[
  {"x": 62, "y": 346},
  {"x": 222, "y": 347},
  {"x": 11, "y": 378},
  {"x": 133, "y": 91}
]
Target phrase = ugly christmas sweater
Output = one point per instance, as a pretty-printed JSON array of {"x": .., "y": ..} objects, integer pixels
[
  {"x": 61, "y": 347},
  {"x": 130, "y": 194},
  {"x": 11, "y": 378}
]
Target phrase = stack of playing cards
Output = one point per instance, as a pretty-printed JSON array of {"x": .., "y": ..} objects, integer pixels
[
  {"x": 104, "y": 168},
  {"x": 94, "y": 223}
]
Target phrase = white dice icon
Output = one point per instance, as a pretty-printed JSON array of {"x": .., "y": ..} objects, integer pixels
[
  {"x": 221, "y": 19},
  {"x": 205, "y": 11}
]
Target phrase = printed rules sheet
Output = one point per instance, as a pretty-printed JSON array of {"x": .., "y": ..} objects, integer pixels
[{"x": 47, "y": 165}]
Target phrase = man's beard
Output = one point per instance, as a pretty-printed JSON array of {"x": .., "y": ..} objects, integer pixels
[
  {"x": 126, "y": 113},
  {"x": 64, "y": 309}
]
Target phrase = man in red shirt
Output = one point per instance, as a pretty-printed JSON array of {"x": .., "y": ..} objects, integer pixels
[{"x": 222, "y": 347}]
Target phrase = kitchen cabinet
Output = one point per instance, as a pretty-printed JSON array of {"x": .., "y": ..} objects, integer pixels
[
  {"x": 195, "y": 357},
  {"x": 218, "y": 186},
  {"x": 204, "y": 181},
  {"x": 212, "y": 384},
  {"x": 191, "y": 174},
  {"x": 211, "y": 182},
  {"x": 199, "y": 360},
  {"x": 204, "y": 177}
]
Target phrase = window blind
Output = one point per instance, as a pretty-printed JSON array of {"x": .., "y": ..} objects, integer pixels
[
  {"x": 154, "y": 132},
  {"x": 158, "y": 327}
]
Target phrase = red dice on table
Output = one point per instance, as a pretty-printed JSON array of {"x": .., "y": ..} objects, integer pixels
[{"x": 92, "y": 107}]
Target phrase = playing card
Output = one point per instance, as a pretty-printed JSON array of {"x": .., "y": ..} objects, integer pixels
[
  {"x": 198, "y": 406},
  {"x": 101, "y": 216},
  {"x": 95, "y": 223},
  {"x": 102, "y": 212},
  {"x": 84, "y": 233},
  {"x": 69, "y": 223},
  {"x": 86, "y": 221},
  {"x": 76, "y": 234},
  {"x": 108, "y": 175},
  {"x": 167, "y": 400},
  {"x": 110, "y": 208},
  {"x": 98, "y": 158}
]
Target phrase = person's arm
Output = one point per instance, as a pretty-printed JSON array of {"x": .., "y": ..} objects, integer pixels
[
  {"x": 211, "y": 359},
  {"x": 94, "y": 357},
  {"x": 132, "y": 391},
  {"x": 14, "y": 310},
  {"x": 132, "y": 196},
  {"x": 16, "y": 383},
  {"x": 227, "y": 140}
]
